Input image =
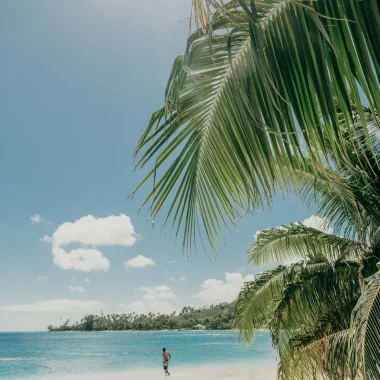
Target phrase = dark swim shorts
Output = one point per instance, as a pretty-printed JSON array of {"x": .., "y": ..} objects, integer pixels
[{"x": 166, "y": 365}]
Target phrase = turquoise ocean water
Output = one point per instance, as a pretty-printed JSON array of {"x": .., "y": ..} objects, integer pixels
[{"x": 28, "y": 355}]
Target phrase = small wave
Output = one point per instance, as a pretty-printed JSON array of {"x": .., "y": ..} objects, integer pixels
[
  {"x": 13, "y": 359},
  {"x": 87, "y": 354}
]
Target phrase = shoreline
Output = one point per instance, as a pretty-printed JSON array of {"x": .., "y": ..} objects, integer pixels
[
  {"x": 265, "y": 370},
  {"x": 163, "y": 330}
]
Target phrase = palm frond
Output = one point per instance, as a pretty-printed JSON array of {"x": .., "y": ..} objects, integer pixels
[
  {"x": 298, "y": 241},
  {"x": 365, "y": 340},
  {"x": 331, "y": 194},
  {"x": 315, "y": 294},
  {"x": 251, "y": 310},
  {"x": 324, "y": 358},
  {"x": 260, "y": 299},
  {"x": 241, "y": 103},
  {"x": 318, "y": 305}
]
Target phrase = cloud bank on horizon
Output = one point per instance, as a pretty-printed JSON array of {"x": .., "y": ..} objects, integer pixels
[{"x": 56, "y": 306}]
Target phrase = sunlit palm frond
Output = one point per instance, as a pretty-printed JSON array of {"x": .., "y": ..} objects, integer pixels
[
  {"x": 242, "y": 104},
  {"x": 298, "y": 241}
]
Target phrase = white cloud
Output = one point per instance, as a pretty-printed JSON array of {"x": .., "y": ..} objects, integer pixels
[
  {"x": 46, "y": 239},
  {"x": 322, "y": 224},
  {"x": 76, "y": 288},
  {"x": 55, "y": 306},
  {"x": 86, "y": 279},
  {"x": 93, "y": 232},
  {"x": 82, "y": 259},
  {"x": 217, "y": 291},
  {"x": 157, "y": 293},
  {"x": 155, "y": 299},
  {"x": 36, "y": 218},
  {"x": 112, "y": 230},
  {"x": 139, "y": 261},
  {"x": 41, "y": 278},
  {"x": 181, "y": 278}
]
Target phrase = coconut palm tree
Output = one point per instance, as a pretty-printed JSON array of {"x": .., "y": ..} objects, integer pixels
[
  {"x": 256, "y": 92},
  {"x": 323, "y": 311},
  {"x": 312, "y": 305},
  {"x": 308, "y": 306},
  {"x": 263, "y": 101}
]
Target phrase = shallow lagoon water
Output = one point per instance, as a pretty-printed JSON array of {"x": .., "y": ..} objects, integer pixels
[{"x": 39, "y": 355}]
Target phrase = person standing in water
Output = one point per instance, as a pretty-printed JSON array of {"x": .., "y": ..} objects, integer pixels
[{"x": 166, "y": 357}]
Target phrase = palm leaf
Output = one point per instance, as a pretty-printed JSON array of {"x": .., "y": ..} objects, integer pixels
[
  {"x": 336, "y": 196},
  {"x": 251, "y": 310},
  {"x": 347, "y": 196},
  {"x": 365, "y": 340},
  {"x": 300, "y": 242},
  {"x": 260, "y": 299},
  {"x": 234, "y": 116},
  {"x": 304, "y": 302},
  {"x": 325, "y": 358},
  {"x": 318, "y": 305}
]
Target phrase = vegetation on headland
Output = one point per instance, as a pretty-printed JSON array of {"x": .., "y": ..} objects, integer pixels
[
  {"x": 214, "y": 317},
  {"x": 268, "y": 98}
]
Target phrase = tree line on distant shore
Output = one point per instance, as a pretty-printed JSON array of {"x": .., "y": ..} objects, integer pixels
[{"x": 214, "y": 317}]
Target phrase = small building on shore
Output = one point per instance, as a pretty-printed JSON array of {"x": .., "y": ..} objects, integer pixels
[{"x": 199, "y": 327}]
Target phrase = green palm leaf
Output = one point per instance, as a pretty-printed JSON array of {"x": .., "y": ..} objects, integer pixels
[
  {"x": 259, "y": 299},
  {"x": 318, "y": 305},
  {"x": 365, "y": 341},
  {"x": 238, "y": 102},
  {"x": 300, "y": 242}
]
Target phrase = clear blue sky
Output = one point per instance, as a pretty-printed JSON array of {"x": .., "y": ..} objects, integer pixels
[{"x": 79, "y": 80}]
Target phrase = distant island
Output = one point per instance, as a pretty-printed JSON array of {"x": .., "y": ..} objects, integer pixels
[{"x": 214, "y": 317}]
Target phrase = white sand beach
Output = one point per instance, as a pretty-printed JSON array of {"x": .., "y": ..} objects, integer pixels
[{"x": 265, "y": 371}]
